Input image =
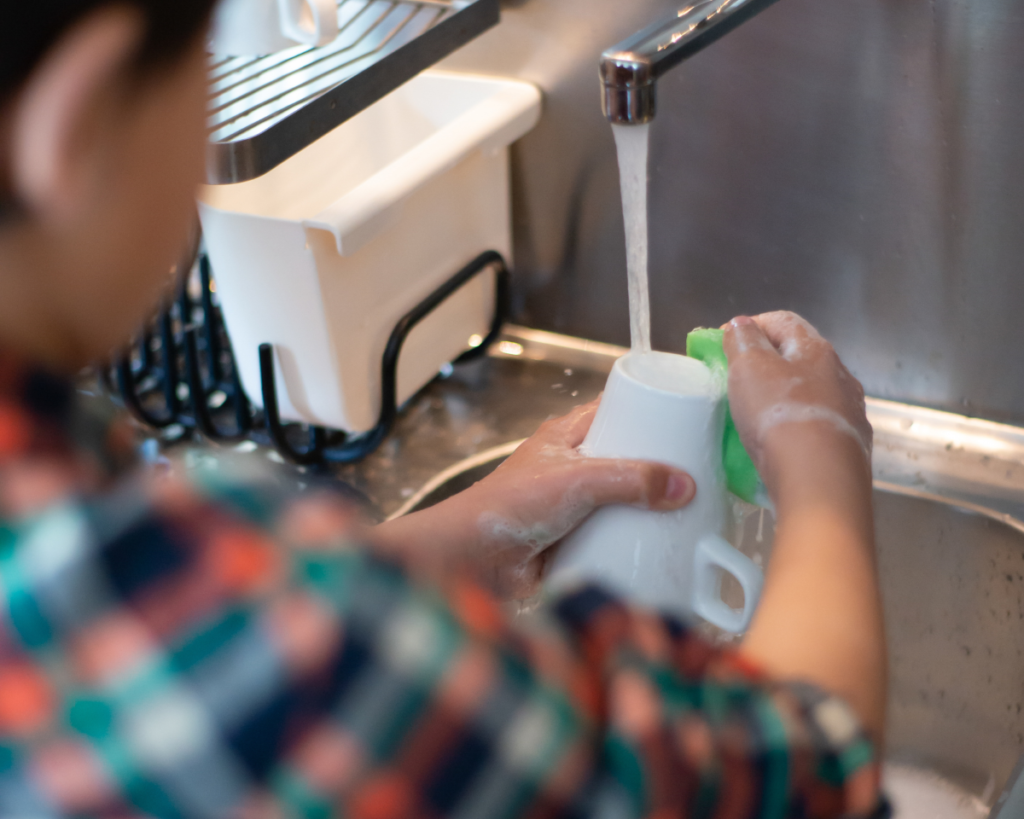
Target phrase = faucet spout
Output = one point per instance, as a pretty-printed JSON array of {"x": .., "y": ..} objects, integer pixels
[{"x": 630, "y": 70}]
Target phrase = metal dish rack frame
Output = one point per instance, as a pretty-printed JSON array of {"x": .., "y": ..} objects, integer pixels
[
  {"x": 180, "y": 375},
  {"x": 264, "y": 110}
]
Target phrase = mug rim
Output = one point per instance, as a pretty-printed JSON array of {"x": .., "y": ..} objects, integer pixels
[{"x": 714, "y": 390}]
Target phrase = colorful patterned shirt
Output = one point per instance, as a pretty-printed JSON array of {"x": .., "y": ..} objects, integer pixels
[{"x": 219, "y": 648}]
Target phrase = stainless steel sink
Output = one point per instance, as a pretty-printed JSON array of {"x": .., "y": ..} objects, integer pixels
[{"x": 949, "y": 499}]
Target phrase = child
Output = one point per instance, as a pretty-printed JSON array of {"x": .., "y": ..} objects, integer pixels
[{"x": 221, "y": 650}]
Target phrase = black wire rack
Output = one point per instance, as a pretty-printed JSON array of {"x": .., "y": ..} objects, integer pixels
[
  {"x": 265, "y": 109},
  {"x": 179, "y": 376}
]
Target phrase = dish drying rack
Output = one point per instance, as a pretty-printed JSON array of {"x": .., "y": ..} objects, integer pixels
[
  {"x": 179, "y": 375},
  {"x": 264, "y": 110}
]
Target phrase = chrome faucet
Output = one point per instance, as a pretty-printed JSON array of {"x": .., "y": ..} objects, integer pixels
[{"x": 629, "y": 70}]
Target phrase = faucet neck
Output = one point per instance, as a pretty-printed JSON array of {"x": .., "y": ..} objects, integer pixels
[{"x": 629, "y": 70}]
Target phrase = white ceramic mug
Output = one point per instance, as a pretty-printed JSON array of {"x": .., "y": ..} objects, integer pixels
[
  {"x": 250, "y": 28},
  {"x": 667, "y": 408}
]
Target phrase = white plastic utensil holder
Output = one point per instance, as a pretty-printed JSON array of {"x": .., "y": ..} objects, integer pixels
[{"x": 323, "y": 255}]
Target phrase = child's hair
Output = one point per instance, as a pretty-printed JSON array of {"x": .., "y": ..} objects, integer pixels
[{"x": 28, "y": 28}]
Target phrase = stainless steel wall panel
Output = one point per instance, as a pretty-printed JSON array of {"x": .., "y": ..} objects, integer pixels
[{"x": 860, "y": 161}]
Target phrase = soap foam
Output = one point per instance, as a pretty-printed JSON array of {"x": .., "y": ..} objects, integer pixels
[
  {"x": 533, "y": 539},
  {"x": 530, "y": 539},
  {"x": 519, "y": 543},
  {"x": 802, "y": 335},
  {"x": 792, "y": 349},
  {"x": 793, "y": 413},
  {"x": 759, "y": 341}
]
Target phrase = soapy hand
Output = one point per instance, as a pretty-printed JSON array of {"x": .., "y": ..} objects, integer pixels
[
  {"x": 802, "y": 418},
  {"x": 785, "y": 380},
  {"x": 503, "y": 526}
]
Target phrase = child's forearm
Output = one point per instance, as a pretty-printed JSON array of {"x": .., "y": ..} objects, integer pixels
[{"x": 820, "y": 616}]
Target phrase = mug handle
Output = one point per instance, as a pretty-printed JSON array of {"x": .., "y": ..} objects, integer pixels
[
  {"x": 713, "y": 556},
  {"x": 324, "y": 21}
]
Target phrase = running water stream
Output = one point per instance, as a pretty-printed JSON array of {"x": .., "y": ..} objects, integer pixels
[{"x": 631, "y": 141}]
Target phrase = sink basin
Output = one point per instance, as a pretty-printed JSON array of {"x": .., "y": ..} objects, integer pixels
[{"x": 953, "y": 586}]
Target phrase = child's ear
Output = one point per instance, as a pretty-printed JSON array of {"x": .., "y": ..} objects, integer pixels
[{"x": 58, "y": 114}]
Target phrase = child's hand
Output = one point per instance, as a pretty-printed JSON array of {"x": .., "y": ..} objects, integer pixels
[
  {"x": 503, "y": 525},
  {"x": 801, "y": 416},
  {"x": 546, "y": 488},
  {"x": 786, "y": 384}
]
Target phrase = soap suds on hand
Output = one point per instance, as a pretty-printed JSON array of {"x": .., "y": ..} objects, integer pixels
[
  {"x": 496, "y": 529},
  {"x": 801, "y": 335},
  {"x": 795, "y": 413},
  {"x": 759, "y": 342},
  {"x": 529, "y": 540}
]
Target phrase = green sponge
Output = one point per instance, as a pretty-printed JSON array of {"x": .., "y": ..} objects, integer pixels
[{"x": 740, "y": 474}]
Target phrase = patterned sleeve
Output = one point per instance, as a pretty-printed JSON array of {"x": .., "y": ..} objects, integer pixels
[
  {"x": 694, "y": 730},
  {"x": 165, "y": 655}
]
